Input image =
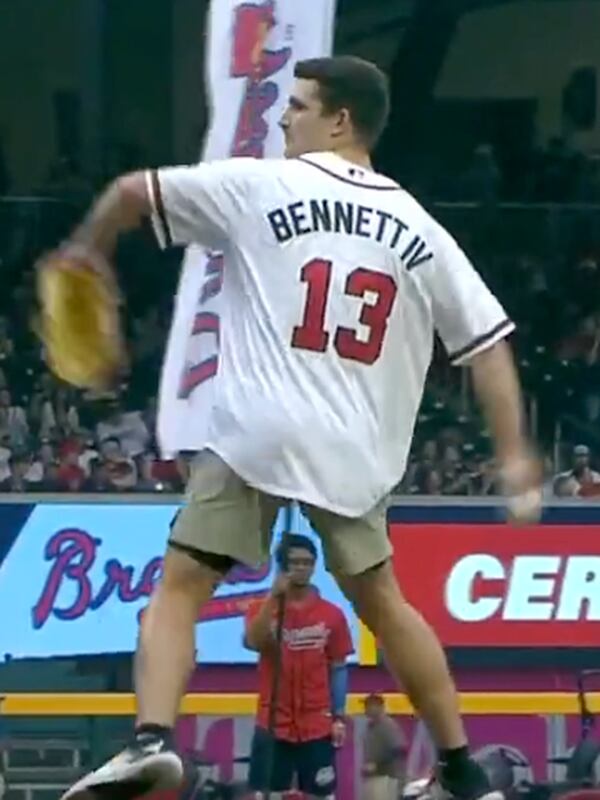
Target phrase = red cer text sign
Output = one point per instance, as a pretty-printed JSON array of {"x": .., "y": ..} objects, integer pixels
[{"x": 493, "y": 585}]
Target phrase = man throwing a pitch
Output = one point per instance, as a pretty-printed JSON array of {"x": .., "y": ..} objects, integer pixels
[{"x": 335, "y": 280}]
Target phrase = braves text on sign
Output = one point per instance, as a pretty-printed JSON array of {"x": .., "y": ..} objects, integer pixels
[{"x": 78, "y": 577}]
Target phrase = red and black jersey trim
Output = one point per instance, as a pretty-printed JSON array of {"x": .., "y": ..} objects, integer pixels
[
  {"x": 475, "y": 344},
  {"x": 159, "y": 205},
  {"x": 378, "y": 187}
]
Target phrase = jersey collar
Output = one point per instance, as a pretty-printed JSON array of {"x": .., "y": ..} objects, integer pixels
[{"x": 334, "y": 164}]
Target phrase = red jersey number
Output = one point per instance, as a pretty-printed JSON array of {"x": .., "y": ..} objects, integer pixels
[{"x": 312, "y": 335}]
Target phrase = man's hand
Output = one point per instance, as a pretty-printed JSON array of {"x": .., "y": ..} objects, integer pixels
[
  {"x": 497, "y": 388},
  {"x": 521, "y": 479},
  {"x": 280, "y": 585},
  {"x": 338, "y": 732}
]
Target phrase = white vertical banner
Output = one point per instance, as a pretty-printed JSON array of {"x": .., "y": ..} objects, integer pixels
[{"x": 252, "y": 47}]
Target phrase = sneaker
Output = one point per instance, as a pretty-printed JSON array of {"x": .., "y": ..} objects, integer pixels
[
  {"x": 431, "y": 789},
  {"x": 147, "y": 765}
]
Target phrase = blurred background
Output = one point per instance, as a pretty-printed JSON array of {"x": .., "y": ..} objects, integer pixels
[{"x": 495, "y": 128}]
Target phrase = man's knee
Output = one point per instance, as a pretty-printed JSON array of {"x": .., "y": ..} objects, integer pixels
[
  {"x": 378, "y": 578},
  {"x": 372, "y": 591}
]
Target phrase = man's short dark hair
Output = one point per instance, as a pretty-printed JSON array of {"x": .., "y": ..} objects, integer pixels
[
  {"x": 352, "y": 83},
  {"x": 294, "y": 541}
]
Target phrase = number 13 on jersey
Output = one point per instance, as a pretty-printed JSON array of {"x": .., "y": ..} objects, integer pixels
[{"x": 312, "y": 333}]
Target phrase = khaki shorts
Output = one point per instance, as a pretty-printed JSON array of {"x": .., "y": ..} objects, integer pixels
[{"x": 223, "y": 515}]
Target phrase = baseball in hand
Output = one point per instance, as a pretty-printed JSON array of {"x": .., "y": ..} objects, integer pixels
[
  {"x": 525, "y": 507},
  {"x": 522, "y": 485}
]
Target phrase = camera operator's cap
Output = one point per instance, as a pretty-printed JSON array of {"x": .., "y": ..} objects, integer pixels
[{"x": 581, "y": 450}]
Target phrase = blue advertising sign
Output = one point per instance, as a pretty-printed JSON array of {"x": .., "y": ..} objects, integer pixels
[{"x": 75, "y": 578}]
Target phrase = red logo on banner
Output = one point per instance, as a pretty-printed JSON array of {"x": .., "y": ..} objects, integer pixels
[
  {"x": 251, "y": 60},
  {"x": 493, "y": 585}
]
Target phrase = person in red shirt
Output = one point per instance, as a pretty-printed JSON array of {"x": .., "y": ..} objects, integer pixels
[{"x": 311, "y": 700}]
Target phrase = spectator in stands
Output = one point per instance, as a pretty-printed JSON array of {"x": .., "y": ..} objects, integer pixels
[
  {"x": 70, "y": 475},
  {"x": 455, "y": 480},
  {"x": 7, "y": 347},
  {"x": 417, "y": 479},
  {"x": 46, "y": 453},
  {"x": 87, "y": 451},
  {"x": 67, "y": 415},
  {"x": 127, "y": 428},
  {"x": 35, "y": 474},
  {"x": 51, "y": 482},
  {"x": 581, "y": 480},
  {"x": 41, "y": 414},
  {"x": 427, "y": 481},
  {"x": 13, "y": 420},
  {"x": 486, "y": 483},
  {"x": 120, "y": 469},
  {"x": 97, "y": 480},
  {"x": 563, "y": 486},
  {"x": 481, "y": 181},
  {"x": 582, "y": 350},
  {"x": 159, "y": 475},
  {"x": 16, "y": 482},
  {"x": 5, "y": 457},
  {"x": 429, "y": 453}
]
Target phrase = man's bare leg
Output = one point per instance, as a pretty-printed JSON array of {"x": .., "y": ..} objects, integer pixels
[
  {"x": 416, "y": 659},
  {"x": 412, "y": 650},
  {"x": 165, "y": 658},
  {"x": 166, "y": 647}
]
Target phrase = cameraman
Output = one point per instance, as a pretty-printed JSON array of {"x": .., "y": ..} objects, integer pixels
[{"x": 313, "y": 680}]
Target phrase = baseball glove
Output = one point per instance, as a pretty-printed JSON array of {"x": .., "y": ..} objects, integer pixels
[{"x": 79, "y": 319}]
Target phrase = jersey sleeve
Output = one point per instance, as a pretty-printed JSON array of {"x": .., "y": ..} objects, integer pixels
[
  {"x": 466, "y": 314},
  {"x": 198, "y": 204},
  {"x": 340, "y": 641}
]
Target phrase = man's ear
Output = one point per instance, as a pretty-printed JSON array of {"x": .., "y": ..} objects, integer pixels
[{"x": 342, "y": 122}]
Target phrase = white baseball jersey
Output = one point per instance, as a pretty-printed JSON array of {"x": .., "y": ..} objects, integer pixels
[{"x": 335, "y": 279}]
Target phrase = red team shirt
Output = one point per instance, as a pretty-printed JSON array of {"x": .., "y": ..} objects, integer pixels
[{"x": 315, "y": 636}]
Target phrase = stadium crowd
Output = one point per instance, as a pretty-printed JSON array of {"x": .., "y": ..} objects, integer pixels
[{"x": 542, "y": 259}]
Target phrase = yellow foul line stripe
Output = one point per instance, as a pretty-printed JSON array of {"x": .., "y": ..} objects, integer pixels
[
  {"x": 367, "y": 646},
  {"x": 99, "y": 704}
]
